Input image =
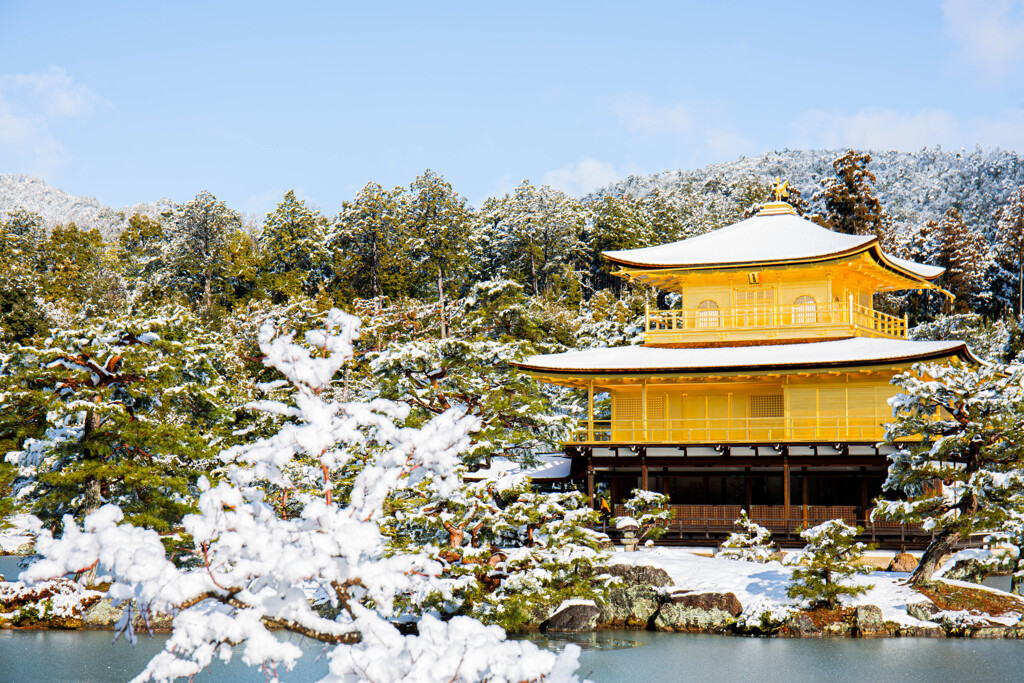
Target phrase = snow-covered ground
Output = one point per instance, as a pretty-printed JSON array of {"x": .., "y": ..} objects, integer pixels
[
  {"x": 753, "y": 583},
  {"x": 16, "y": 536}
]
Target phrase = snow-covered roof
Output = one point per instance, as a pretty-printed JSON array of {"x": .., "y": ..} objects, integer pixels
[
  {"x": 765, "y": 238},
  {"x": 840, "y": 352},
  {"x": 550, "y": 467}
]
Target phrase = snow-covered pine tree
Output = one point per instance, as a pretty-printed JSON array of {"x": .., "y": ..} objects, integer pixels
[
  {"x": 370, "y": 246},
  {"x": 439, "y": 225},
  {"x": 851, "y": 204},
  {"x": 752, "y": 543},
  {"x": 1009, "y": 245},
  {"x": 829, "y": 555},
  {"x": 295, "y": 260},
  {"x": 198, "y": 234},
  {"x": 124, "y": 411},
  {"x": 963, "y": 252},
  {"x": 255, "y": 570},
  {"x": 648, "y": 509},
  {"x": 959, "y": 462}
]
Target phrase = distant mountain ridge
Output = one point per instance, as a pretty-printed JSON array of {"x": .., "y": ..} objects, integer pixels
[
  {"x": 57, "y": 207},
  {"x": 913, "y": 187}
]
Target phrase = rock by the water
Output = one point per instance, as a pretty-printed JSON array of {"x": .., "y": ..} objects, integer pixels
[
  {"x": 923, "y": 610},
  {"x": 869, "y": 622},
  {"x": 573, "y": 615},
  {"x": 629, "y": 606},
  {"x": 800, "y": 625},
  {"x": 968, "y": 570},
  {"x": 903, "y": 562},
  {"x": 836, "y": 629},
  {"x": 725, "y": 602},
  {"x": 698, "y": 612},
  {"x": 103, "y": 614},
  {"x": 640, "y": 574}
]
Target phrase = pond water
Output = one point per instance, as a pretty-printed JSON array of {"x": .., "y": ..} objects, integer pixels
[{"x": 608, "y": 657}]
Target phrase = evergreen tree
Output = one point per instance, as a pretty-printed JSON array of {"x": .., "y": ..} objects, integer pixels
[
  {"x": 140, "y": 252},
  {"x": 293, "y": 248},
  {"x": 439, "y": 225},
  {"x": 198, "y": 235},
  {"x": 123, "y": 411},
  {"x": 370, "y": 244},
  {"x": 830, "y": 554},
  {"x": 963, "y": 252},
  {"x": 73, "y": 266},
  {"x": 851, "y": 206},
  {"x": 533, "y": 236},
  {"x": 21, "y": 316},
  {"x": 752, "y": 543},
  {"x": 1010, "y": 244},
  {"x": 959, "y": 463},
  {"x": 648, "y": 509}
]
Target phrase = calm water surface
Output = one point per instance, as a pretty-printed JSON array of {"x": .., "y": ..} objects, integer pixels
[{"x": 608, "y": 657}]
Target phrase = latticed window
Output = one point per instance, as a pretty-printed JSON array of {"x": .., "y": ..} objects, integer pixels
[
  {"x": 769, "y": 405},
  {"x": 708, "y": 314},
  {"x": 627, "y": 407},
  {"x": 805, "y": 310},
  {"x": 755, "y": 306}
]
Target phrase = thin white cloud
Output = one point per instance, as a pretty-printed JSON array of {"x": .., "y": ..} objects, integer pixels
[
  {"x": 639, "y": 114},
  {"x": 876, "y": 129},
  {"x": 29, "y": 106},
  {"x": 581, "y": 178},
  {"x": 988, "y": 33}
]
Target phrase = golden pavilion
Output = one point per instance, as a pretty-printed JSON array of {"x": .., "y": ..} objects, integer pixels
[{"x": 765, "y": 388}]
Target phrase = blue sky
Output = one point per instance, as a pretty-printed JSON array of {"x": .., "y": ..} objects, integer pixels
[{"x": 130, "y": 102}]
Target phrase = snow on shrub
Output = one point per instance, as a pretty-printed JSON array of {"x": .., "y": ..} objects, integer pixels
[
  {"x": 752, "y": 543},
  {"x": 257, "y": 566},
  {"x": 645, "y": 509},
  {"x": 829, "y": 554}
]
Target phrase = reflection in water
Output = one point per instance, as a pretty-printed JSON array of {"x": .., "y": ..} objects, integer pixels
[{"x": 598, "y": 640}]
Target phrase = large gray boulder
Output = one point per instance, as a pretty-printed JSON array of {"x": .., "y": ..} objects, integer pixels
[
  {"x": 698, "y": 612},
  {"x": 580, "y": 615},
  {"x": 924, "y": 610},
  {"x": 640, "y": 574},
  {"x": 800, "y": 625},
  {"x": 629, "y": 606},
  {"x": 869, "y": 622},
  {"x": 104, "y": 615},
  {"x": 968, "y": 570}
]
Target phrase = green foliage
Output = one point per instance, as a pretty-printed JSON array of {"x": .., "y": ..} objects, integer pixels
[
  {"x": 851, "y": 206},
  {"x": 128, "y": 411},
  {"x": 961, "y": 428},
  {"x": 829, "y": 556},
  {"x": 73, "y": 266},
  {"x": 752, "y": 543},
  {"x": 649, "y": 509},
  {"x": 292, "y": 242},
  {"x": 8, "y": 503}
]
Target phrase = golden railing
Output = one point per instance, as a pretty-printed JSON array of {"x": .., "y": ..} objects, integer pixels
[
  {"x": 730, "y": 430},
  {"x": 816, "y": 315}
]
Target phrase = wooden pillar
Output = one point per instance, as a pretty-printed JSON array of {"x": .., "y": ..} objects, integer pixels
[
  {"x": 643, "y": 469},
  {"x": 748, "y": 489},
  {"x": 590, "y": 411},
  {"x": 590, "y": 479},
  {"x": 864, "y": 496},
  {"x": 785, "y": 488},
  {"x": 803, "y": 493}
]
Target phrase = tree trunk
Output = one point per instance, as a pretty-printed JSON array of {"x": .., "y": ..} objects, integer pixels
[
  {"x": 935, "y": 551},
  {"x": 533, "y": 270},
  {"x": 440, "y": 300},
  {"x": 93, "y": 495},
  {"x": 207, "y": 291}
]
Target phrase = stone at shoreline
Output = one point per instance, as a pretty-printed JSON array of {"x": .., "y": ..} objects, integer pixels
[
  {"x": 572, "y": 617},
  {"x": 629, "y": 606},
  {"x": 698, "y": 612},
  {"x": 869, "y": 622},
  {"x": 837, "y": 629},
  {"x": 923, "y": 610},
  {"x": 903, "y": 562},
  {"x": 922, "y": 632},
  {"x": 968, "y": 570},
  {"x": 800, "y": 625},
  {"x": 640, "y": 574},
  {"x": 103, "y": 614}
]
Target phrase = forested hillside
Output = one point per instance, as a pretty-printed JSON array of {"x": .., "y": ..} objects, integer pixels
[{"x": 130, "y": 354}]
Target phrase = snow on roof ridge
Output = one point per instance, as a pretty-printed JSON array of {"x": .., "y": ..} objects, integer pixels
[{"x": 852, "y": 351}]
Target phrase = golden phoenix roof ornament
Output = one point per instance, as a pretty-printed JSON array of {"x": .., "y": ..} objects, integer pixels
[{"x": 780, "y": 191}]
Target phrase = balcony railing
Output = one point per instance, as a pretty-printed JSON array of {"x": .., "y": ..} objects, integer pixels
[
  {"x": 730, "y": 430},
  {"x": 812, "y": 318}
]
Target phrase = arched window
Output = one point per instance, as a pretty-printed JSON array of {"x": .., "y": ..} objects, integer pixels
[
  {"x": 805, "y": 310},
  {"x": 708, "y": 314}
]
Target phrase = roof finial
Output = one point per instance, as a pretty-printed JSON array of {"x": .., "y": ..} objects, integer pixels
[{"x": 780, "y": 190}]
